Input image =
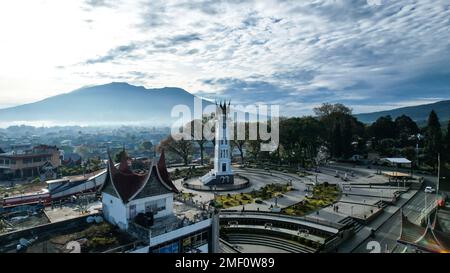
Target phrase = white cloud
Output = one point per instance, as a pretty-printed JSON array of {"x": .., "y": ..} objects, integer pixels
[{"x": 304, "y": 52}]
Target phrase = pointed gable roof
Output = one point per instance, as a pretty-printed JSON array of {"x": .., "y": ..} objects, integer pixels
[
  {"x": 127, "y": 185},
  {"x": 164, "y": 174}
]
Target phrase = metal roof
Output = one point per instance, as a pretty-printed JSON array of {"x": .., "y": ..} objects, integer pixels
[{"x": 398, "y": 160}]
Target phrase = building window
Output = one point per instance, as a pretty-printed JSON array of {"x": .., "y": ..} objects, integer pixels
[
  {"x": 169, "y": 248},
  {"x": 155, "y": 206},
  {"x": 132, "y": 211},
  {"x": 224, "y": 167},
  {"x": 195, "y": 241}
]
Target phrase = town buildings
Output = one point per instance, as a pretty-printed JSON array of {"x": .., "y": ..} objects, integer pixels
[{"x": 39, "y": 161}]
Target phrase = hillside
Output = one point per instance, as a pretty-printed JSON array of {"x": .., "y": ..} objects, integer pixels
[
  {"x": 109, "y": 104},
  {"x": 418, "y": 113}
]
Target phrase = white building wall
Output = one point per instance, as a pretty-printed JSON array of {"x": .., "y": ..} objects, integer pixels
[
  {"x": 140, "y": 205},
  {"x": 114, "y": 211},
  {"x": 222, "y": 149},
  {"x": 118, "y": 213}
]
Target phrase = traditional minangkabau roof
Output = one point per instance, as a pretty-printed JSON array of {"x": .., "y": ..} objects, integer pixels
[
  {"x": 424, "y": 238},
  {"x": 128, "y": 185}
]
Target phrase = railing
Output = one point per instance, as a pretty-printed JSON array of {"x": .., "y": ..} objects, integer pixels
[
  {"x": 146, "y": 233},
  {"x": 123, "y": 248},
  {"x": 204, "y": 207},
  {"x": 426, "y": 211},
  {"x": 278, "y": 215}
]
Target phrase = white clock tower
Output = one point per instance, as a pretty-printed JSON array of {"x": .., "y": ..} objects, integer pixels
[{"x": 222, "y": 172}]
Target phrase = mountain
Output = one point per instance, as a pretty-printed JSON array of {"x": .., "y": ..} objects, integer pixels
[
  {"x": 418, "y": 113},
  {"x": 109, "y": 104}
]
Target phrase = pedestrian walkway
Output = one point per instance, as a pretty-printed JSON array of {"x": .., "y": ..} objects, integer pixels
[{"x": 352, "y": 243}]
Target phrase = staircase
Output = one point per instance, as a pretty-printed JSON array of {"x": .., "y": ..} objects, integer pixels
[
  {"x": 352, "y": 223},
  {"x": 381, "y": 204},
  {"x": 263, "y": 240}
]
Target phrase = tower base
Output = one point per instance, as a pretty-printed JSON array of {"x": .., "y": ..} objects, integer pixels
[{"x": 211, "y": 179}]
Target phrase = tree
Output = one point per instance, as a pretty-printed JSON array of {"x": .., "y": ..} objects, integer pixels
[
  {"x": 383, "y": 128},
  {"x": 433, "y": 139},
  {"x": 254, "y": 145},
  {"x": 181, "y": 148},
  {"x": 240, "y": 144},
  {"x": 300, "y": 139},
  {"x": 327, "y": 109},
  {"x": 336, "y": 141},
  {"x": 405, "y": 125},
  {"x": 405, "y": 128},
  {"x": 447, "y": 143},
  {"x": 147, "y": 145},
  {"x": 340, "y": 127},
  {"x": 198, "y": 130},
  {"x": 118, "y": 157}
]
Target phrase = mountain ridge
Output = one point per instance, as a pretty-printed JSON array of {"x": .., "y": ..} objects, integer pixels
[
  {"x": 107, "y": 104},
  {"x": 418, "y": 113}
]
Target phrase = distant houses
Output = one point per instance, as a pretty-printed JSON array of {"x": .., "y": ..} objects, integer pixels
[{"x": 35, "y": 162}]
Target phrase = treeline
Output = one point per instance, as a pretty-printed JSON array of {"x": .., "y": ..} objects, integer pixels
[{"x": 334, "y": 133}]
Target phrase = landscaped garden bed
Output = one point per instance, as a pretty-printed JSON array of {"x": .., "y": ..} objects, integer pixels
[
  {"x": 267, "y": 192},
  {"x": 323, "y": 195}
]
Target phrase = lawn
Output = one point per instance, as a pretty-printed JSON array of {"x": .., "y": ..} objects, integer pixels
[
  {"x": 187, "y": 195},
  {"x": 323, "y": 196},
  {"x": 267, "y": 192}
]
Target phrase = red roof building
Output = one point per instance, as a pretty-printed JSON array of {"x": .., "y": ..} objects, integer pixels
[
  {"x": 138, "y": 197},
  {"x": 128, "y": 192}
]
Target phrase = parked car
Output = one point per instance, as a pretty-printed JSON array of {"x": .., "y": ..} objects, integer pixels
[{"x": 429, "y": 189}]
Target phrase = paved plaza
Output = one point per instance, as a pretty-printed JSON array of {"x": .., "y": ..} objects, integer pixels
[{"x": 366, "y": 197}]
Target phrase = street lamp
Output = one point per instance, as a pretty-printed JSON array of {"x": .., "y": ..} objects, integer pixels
[{"x": 418, "y": 137}]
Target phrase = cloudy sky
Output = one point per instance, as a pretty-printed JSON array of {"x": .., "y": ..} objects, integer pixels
[{"x": 371, "y": 55}]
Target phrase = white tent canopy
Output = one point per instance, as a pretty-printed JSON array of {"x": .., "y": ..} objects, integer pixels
[{"x": 397, "y": 160}]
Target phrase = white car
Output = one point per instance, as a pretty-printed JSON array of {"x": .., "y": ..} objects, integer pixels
[{"x": 429, "y": 190}]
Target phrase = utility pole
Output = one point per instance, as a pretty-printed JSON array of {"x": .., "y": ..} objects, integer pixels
[
  {"x": 439, "y": 173},
  {"x": 417, "y": 149}
]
